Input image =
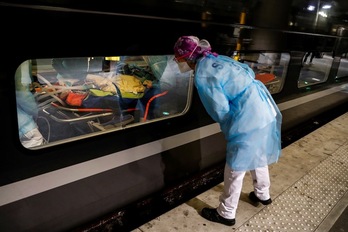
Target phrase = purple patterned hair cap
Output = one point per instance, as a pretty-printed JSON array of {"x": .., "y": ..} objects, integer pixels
[{"x": 191, "y": 46}]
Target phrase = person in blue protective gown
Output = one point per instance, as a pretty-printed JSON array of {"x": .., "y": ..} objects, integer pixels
[
  {"x": 27, "y": 109},
  {"x": 247, "y": 115}
]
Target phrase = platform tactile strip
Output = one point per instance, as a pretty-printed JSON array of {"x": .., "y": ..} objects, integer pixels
[{"x": 306, "y": 203}]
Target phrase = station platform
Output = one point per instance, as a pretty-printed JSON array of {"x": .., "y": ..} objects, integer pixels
[{"x": 309, "y": 189}]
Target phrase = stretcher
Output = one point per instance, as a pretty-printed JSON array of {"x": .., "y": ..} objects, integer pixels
[
  {"x": 50, "y": 101},
  {"x": 100, "y": 113}
]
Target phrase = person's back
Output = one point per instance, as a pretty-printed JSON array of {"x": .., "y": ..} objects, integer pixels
[
  {"x": 248, "y": 117},
  {"x": 75, "y": 69},
  {"x": 242, "y": 106}
]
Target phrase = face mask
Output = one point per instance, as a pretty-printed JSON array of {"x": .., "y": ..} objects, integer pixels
[{"x": 183, "y": 67}]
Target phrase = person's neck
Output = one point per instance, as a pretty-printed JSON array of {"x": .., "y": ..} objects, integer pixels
[{"x": 192, "y": 65}]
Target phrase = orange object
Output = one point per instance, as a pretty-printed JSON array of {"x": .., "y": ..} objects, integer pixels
[
  {"x": 265, "y": 77},
  {"x": 75, "y": 99}
]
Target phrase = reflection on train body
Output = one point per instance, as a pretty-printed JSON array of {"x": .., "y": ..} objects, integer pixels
[
  {"x": 316, "y": 70},
  {"x": 343, "y": 67}
]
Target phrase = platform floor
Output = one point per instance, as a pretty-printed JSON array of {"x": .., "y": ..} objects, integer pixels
[{"x": 309, "y": 191}]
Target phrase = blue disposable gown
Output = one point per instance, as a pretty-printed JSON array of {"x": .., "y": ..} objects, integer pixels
[
  {"x": 244, "y": 108},
  {"x": 27, "y": 109}
]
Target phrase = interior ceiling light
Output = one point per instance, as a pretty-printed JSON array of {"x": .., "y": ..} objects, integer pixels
[{"x": 310, "y": 8}]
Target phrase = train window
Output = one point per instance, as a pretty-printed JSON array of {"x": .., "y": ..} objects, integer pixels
[
  {"x": 315, "y": 68},
  {"x": 343, "y": 67},
  {"x": 270, "y": 68},
  {"x": 65, "y": 99}
]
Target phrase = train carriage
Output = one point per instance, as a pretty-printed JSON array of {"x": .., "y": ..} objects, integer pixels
[{"x": 120, "y": 135}]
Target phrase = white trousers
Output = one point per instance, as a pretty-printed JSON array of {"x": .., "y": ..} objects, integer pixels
[{"x": 233, "y": 183}]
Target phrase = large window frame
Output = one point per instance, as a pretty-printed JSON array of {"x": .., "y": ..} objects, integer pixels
[{"x": 78, "y": 97}]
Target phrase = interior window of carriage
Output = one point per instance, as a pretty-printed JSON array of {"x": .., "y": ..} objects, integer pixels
[
  {"x": 315, "y": 68},
  {"x": 343, "y": 67},
  {"x": 269, "y": 67},
  {"x": 65, "y": 99}
]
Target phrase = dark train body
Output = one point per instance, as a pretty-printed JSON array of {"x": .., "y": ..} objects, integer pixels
[{"x": 119, "y": 176}]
